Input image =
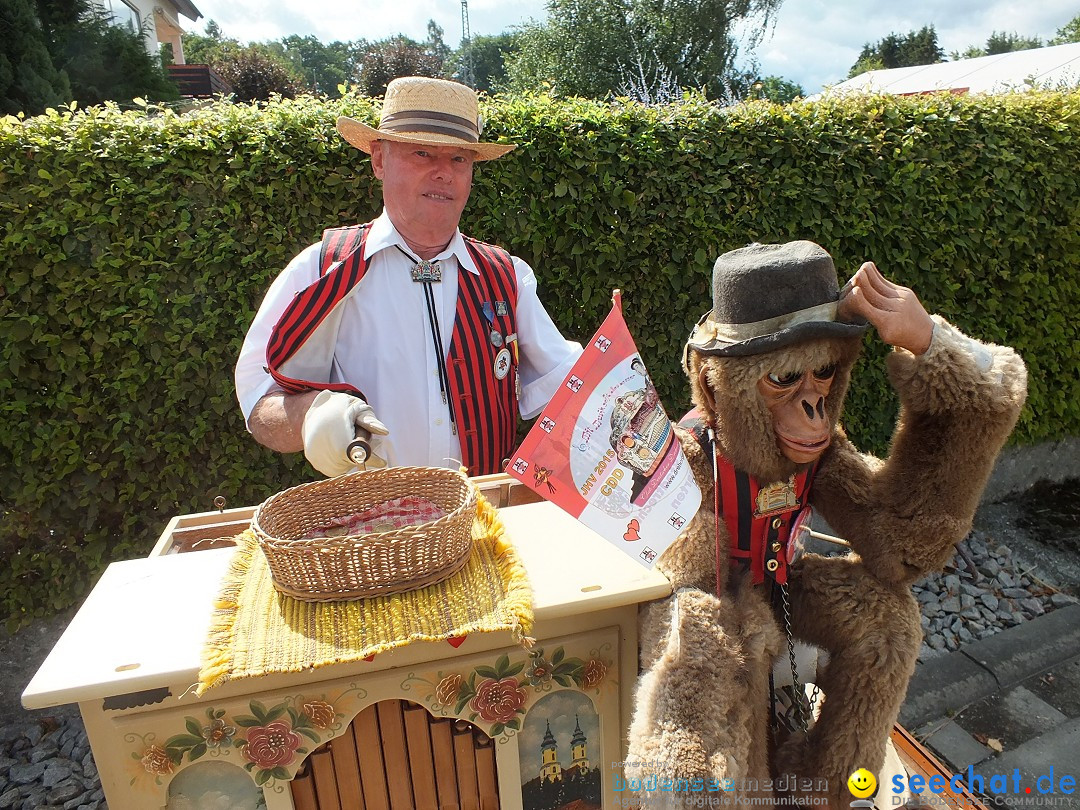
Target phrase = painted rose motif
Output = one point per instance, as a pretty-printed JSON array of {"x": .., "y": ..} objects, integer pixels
[
  {"x": 594, "y": 673},
  {"x": 271, "y": 745},
  {"x": 322, "y": 715},
  {"x": 218, "y": 733},
  {"x": 498, "y": 701},
  {"x": 447, "y": 690},
  {"x": 156, "y": 761},
  {"x": 539, "y": 671}
]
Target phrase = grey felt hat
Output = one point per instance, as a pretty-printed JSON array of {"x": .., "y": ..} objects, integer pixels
[{"x": 769, "y": 296}]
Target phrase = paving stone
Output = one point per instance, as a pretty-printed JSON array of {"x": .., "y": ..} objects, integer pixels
[
  {"x": 1013, "y": 716},
  {"x": 956, "y": 746},
  {"x": 1055, "y": 750}
]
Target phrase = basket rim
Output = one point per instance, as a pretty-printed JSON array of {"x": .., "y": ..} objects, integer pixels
[{"x": 371, "y": 538}]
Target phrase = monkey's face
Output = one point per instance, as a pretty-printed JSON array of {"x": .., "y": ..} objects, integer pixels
[
  {"x": 776, "y": 411},
  {"x": 796, "y": 400}
]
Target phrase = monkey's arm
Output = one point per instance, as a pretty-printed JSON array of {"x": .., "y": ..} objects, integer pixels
[{"x": 958, "y": 403}]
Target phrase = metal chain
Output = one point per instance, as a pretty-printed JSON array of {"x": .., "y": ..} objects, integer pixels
[{"x": 799, "y": 696}]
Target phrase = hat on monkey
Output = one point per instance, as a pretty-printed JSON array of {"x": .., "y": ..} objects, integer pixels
[
  {"x": 432, "y": 112},
  {"x": 769, "y": 296}
]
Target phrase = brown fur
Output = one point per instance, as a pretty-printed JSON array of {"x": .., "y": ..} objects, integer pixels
[{"x": 702, "y": 701}]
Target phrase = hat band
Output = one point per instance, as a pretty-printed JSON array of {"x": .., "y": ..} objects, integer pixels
[
  {"x": 709, "y": 330},
  {"x": 432, "y": 122}
]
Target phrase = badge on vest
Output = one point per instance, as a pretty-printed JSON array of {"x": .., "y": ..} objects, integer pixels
[
  {"x": 427, "y": 271},
  {"x": 502, "y": 364},
  {"x": 776, "y": 498},
  {"x": 501, "y": 308}
]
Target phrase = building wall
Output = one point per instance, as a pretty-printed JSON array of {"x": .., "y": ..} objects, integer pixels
[{"x": 159, "y": 19}]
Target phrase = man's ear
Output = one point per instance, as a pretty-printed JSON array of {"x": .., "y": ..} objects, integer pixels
[
  {"x": 377, "y": 159},
  {"x": 706, "y": 392}
]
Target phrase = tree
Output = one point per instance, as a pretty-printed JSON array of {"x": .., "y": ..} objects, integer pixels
[
  {"x": 103, "y": 61},
  {"x": 255, "y": 71},
  {"x": 488, "y": 55},
  {"x": 592, "y": 47},
  {"x": 896, "y": 50},
  {"x": 29, "y": 82},
  {"x": 255, "y": 75},
  {"x": 776, "y": 89},
  {"x": 1070, "y": 32},
  {"x": 324, "y": 67},
  {"x": 999, "y": 42},
  {"x": 392, "y": 57}
]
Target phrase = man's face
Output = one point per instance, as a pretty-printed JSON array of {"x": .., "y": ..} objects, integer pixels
[{"x": 425, "y": 188}]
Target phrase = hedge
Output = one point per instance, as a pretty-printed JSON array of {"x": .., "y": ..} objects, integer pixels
[{"x": 137, "y": 245}]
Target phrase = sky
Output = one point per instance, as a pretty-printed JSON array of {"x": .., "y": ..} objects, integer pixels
[{"x": 810, "y": 42}]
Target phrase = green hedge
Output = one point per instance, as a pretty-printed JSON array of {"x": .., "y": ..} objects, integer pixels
[{"x": 136, "y": 247}]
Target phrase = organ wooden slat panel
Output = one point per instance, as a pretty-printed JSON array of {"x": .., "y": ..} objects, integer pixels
[
  {"x": 421, "y": 760},
  {"x": 442, "y": 747},
  {"x": 322, "y": 767},
  {"x": 465, "y": 765},
  {"x": 347, "y": 769},
  {"x": 303, "y": 790},
  {"x": 488, "y": 783},
  {"x": 395, "y": 754},
  {"x": 369, "y": 752}
]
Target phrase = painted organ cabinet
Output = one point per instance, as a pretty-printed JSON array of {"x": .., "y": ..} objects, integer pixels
[{"x": 485, "y": 723}]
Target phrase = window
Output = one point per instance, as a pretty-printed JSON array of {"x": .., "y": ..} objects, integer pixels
[{"x": 123, "y": 14}]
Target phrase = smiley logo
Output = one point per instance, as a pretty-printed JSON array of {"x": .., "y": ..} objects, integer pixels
[{"x": 862, "y": 784}]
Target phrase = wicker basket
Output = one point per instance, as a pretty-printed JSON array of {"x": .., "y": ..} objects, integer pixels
[{"x": 374, "y": 564}]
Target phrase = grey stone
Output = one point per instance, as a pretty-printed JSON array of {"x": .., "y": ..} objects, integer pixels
[
  {"x": 1061, "y": 600},
  {"x": 951, "y": 604},
  {"x": 24, "y": 774},
  {"x": 952, "y": 583},
  {"x": 56, "y": 772},
  {"x": 7, "y": 800},
  {"x": 1032, "y": 606},
  {"x": 1015, "y": 593},
  {"x": 989, "y": 600},
  {"x": 64, "y": 792}
]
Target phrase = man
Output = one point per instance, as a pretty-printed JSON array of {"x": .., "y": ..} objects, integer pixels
[{"x": 402, "y": 332}]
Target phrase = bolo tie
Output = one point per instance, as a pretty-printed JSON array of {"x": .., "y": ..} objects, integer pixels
[{"x": 425, "y": 272}]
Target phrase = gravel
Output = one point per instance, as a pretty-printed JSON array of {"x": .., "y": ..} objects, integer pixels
[{"x": 962, "y": 605}]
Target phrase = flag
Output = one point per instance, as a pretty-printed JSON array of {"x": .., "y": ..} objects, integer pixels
[{"x": 605, "y": 451}]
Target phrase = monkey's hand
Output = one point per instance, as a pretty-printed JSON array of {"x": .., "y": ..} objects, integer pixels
[{"x": 895, "y": 311}]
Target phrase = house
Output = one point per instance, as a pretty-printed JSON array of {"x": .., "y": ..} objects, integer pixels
[
  {"x": 159, "y": 21},
  {"x": 1055, "y": 67}
]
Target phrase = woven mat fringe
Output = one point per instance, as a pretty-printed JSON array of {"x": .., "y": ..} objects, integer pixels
[{"x": 247, "y": 600}]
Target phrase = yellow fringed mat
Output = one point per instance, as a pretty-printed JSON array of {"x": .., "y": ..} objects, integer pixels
[{"x": 257, "y": 631}]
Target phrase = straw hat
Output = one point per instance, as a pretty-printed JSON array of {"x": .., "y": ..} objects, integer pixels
[
  {"x": 417, "y": 109},
  {"x": 769, "y": 296}
]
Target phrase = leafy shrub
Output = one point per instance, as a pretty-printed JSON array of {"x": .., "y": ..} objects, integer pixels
[{"x": 137, "y": 245}]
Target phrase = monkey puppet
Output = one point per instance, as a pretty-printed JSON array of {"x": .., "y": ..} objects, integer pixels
[{"x": 769, "y": 366}]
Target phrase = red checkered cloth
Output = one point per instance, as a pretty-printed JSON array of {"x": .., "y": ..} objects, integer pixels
[{"x": 397, "y": 513}]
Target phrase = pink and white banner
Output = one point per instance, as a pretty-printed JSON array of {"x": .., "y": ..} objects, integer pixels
[{"x": 605, "y": 451}]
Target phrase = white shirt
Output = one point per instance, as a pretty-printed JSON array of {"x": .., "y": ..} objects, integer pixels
[{"x": 385, "y": 347}]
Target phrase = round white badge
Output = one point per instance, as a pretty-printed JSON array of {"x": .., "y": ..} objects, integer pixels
[{"x": 502, "y": 364}]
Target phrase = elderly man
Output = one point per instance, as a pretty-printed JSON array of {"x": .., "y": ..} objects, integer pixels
[{"x": 421, "y": 342}]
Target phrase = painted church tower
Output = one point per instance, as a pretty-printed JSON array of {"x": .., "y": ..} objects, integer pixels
[
  {"x": 577, "y": 747},
  {"x": 550, "y": 769}
]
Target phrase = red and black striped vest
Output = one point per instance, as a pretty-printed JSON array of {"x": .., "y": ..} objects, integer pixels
[
  {"x": 486, "y": 407},
  {"x": 758, "y": 519}
]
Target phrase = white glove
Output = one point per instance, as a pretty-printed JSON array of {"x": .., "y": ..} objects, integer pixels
[{"x": 333, "y": 421}]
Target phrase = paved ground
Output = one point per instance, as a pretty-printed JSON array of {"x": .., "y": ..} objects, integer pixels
[{"x": 1007, "y": 708}]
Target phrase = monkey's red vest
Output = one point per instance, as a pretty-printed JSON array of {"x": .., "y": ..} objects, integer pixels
[
  {"x": 759, "y": 519},
  {"x": 300, "y": 350}
]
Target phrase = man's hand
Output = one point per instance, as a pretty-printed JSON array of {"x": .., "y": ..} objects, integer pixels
[
  {"x": 893, "y": 310},
  {"x": 332, "y": 422}
]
